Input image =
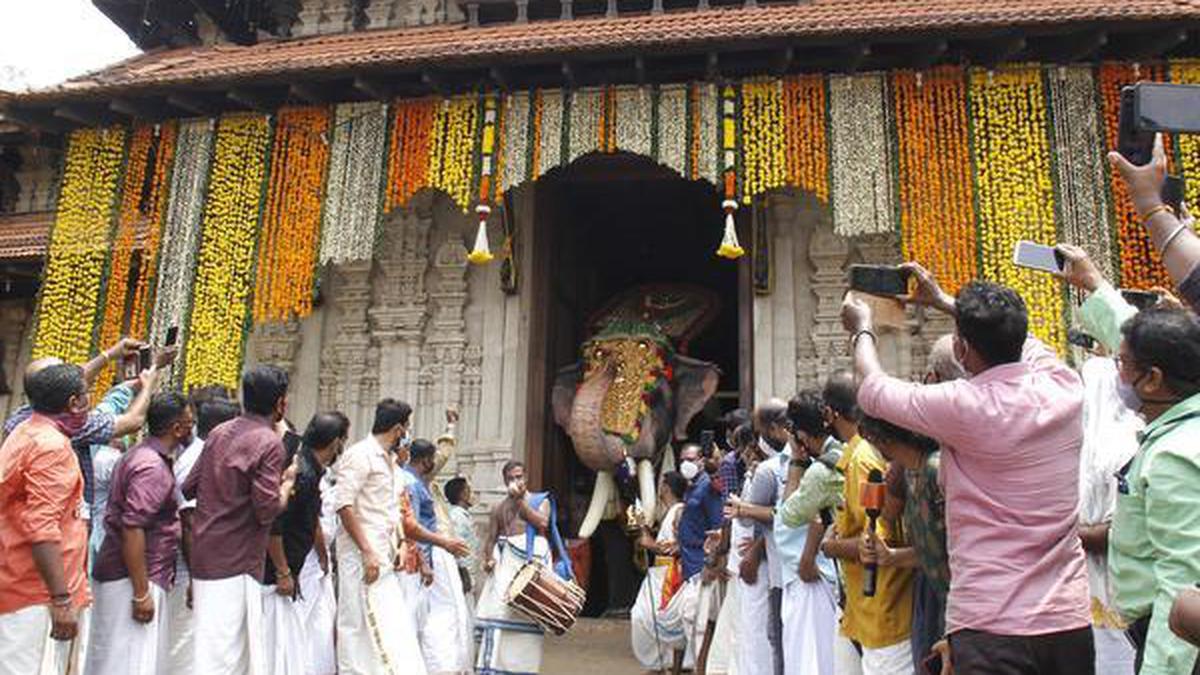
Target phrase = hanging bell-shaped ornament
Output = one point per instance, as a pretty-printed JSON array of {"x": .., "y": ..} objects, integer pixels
[
  {"x": 481, "y": 254},
  {"x": 730, "y": 248}
]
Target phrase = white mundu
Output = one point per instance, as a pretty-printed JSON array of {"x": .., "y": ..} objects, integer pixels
[
  {"x": 654, "y": 642},
  {"x": 228, "y": 626},
  {"x": 26, "y": 647},
  {"x": 508, "y": 642},
  {"x": 119, "y": 645}
]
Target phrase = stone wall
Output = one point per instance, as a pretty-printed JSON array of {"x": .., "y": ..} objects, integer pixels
[{"x": 15, "y": 342}]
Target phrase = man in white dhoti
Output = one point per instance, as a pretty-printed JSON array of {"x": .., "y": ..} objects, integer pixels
[
  {"x": 700, "y": 521},
  {"x": 507, "y": 643},
  {"x": 374, "y": 628},
  {"x": 653, "y": 642},
  {"x": 239, "y": 485},
  {"x": 136, "y": 565}
]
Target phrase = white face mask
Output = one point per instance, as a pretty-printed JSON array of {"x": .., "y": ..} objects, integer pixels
[
  {"x": 765, "y": 446},
  {"x": 689, "y": 469}
]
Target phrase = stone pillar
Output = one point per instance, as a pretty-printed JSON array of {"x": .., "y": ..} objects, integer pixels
[
  {"x": 398, "y": 313},
  {"x": 828, "y": 253},
  {"x": 346, "y": 360},
  {"x": 276, "y": 344},
  {"x": 895, "y": 347},
  {"x": 443, "y": 356},
  {"x": 309, "y": 22},
  {"x": 14, "y": 322}
]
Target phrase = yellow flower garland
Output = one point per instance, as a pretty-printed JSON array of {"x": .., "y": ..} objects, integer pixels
[
  {"x": 1188, "y": 72},
  {"x": 79, "y": 245},
  {"x": 1014, "y": 188},
  {"x": 225, "y": 261},
  {"x": 763, "y": 138},
  {"x": 451, "y": 153}
]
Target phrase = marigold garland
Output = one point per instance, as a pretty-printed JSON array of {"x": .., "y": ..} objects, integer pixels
[
  {"x": 937, "y": 219},
  {"x": 491, "y": 151},
  {"x": 764, "y": 139},
  {"x": 74, "y": 273},
  {"x": 139, "y": 222},
  {"x": 1014, "y": 187},
  {"x": 352, "y": 195},
  {"x": 1187, "y": 71},
  {"x": 408, "y": 157},
  {"x": 225, "y": 260},
  {"x": 451, "y": 149},
  {"x": 859, "y": 139},
  {"x": 730, "y": 142},
  {"x": 1140, "y": 266},
  {"x": 804, "y": 128},
  {"x": 291, "y": 227}
]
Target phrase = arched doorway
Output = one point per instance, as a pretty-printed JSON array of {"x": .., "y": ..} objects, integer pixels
[{"x": 603, "y": 225}]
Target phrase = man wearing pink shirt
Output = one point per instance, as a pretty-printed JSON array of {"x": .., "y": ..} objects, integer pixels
[{"x": 1011, "y": 435}]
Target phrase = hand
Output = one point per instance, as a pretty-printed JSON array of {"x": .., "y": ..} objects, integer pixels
[
  {"x": 489, "y": 565},
  {"x": 457, "y": 547},
  {"x": 289, "y": 474},
  {"x": 927, "y": 292},
  {"x": 370, "y": 568},
  {"x": 64, "y": 622},
  {"x": 808, "y": 570},
  {"x": 124, "y": 348},
  {"x": 1167, "y": 299},
  {"x": 748, "y": 569},
  {"x": 1078, "y": 268},
  {"x": 426, "y": 573},
  {"x": 516, "y": 489},
  {"x": 873, "y": 549},
  {"x": 323, "y": 560},
  {"x": 165, "y": 356},
  {"x": 856, "y": 314},
  {"x": 451, "y": 415},
  {"x": 732, "y": 508},
  {"x": 147, "y": 377},
  {"x": 143, "y": 612},
  {"x": 710, "y": 574},
  {"x": 943, "y": 647},
  {"x": 285, "y": 586},
  {"x": 1144, "y": 183},
  {"x": 668, "y": 548}
]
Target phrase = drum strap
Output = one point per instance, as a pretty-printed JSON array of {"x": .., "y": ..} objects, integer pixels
[{"x": 562, "y": 566}]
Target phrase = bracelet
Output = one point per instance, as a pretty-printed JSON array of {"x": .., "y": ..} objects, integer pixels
[
  {"x": 1155, "y": 211},
  {"x": 61, "y": 600},
  {"x": 1171, "y": 237},
  {"x": 137, "y": 600},
  {"x": 865, "y": 331},
  {"x": 285, "y": 574}
]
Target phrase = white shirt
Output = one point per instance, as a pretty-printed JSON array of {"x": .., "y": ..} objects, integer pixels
[
  {"x": 183, "y": 466},
  {"x": 367, "y": 478}
]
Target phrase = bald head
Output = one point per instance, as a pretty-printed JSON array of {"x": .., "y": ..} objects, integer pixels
[
  {"x": 943, "y": 367},
  {"x": 37, "y": 365},
  {"x": 773, "y": 411}
]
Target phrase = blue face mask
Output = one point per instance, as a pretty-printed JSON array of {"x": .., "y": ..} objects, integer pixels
[{"x": 1128, "y": 393}]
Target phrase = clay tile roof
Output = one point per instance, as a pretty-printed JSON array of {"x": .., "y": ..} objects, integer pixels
[
  {"x": 461, "y": 45},
  {"x": 25, "y": 235}
]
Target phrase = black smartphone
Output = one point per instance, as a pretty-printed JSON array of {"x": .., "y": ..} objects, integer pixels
[
  {"x": 1038, "y": 257},
  {"x": 172, "y": 336},
  {"x": 144, "y": 358},
  {"x": 878, "y": 279},
  {"x": 1172, "y": 192},
  {"x": 1158, "y": 106},
  {"x": 1140, "y": 299},
  {"x": 707, "y": 438},
  {"x": 1080, "y": 339},
  {"x": 1134, "y": 144},
  {"x": 932, "y": 664}
]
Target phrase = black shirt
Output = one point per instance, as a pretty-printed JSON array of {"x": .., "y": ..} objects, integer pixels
[{"x": 298, "y": 523}]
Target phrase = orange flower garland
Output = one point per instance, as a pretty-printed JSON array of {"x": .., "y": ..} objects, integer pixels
[
  {"x": 291, "y": 230},
  {"x": 804, "y": 128},
  {"x": 143, "y": 203},
  {"x": 74, "y": 271},
  {"x": 937, "y": 219},
  {"x": 408, "y": 161},
  {"x": 1140, "y": 266}
]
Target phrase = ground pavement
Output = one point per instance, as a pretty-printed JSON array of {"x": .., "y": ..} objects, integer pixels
[{"x": 592, "y": 647}]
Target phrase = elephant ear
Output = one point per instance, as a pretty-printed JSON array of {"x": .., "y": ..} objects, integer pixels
[
  {"x": 695, "y": 383},
  {"x": 563, "y": 395}
]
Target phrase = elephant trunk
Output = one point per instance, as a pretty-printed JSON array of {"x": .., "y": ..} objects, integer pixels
[
  {"x": 599, "y": 451},
  {"x": 605, "y": 488}
]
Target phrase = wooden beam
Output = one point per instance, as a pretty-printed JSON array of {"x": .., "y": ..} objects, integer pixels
[
  {"x": 639, "y": 69},
  {"x": 784, "y": 60},
  {"x": 39, "y": 120},
  {"x": 854, "y": 56},
  {"x": 306, "y": 92},
  {"x": 139, "y": 109},
  {"x": 372, "y": 88},
  {"x": 434, "y": 82},
  {"x": 1143, "y": 46},
  {"x": 257, "y": 100},
  {"x": 994, "y": 51},
  {"x": 1078, "y": 47},
  {"x": 712, "y": 67},
  {"x": 568, "y": 74},
  {"x": 88, "y": 117},
  {"x": 925, "y": 54},
  {"x": 192, "y": 104}
]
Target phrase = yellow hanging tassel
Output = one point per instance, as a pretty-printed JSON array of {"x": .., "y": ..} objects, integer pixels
[
  {"x": 481, "y": 254},
  {"x": 730, "y": 248}
]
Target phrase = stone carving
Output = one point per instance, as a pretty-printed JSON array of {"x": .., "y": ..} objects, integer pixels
[
  {"x": 442, "y": 356},
  {"x": 13, "y": 321},
  {"x": 828, "y": 253},
  {"x": 346, "y": 359},
  {"x": 399, "y": 309},
  {"x": 276, "y": 343}
]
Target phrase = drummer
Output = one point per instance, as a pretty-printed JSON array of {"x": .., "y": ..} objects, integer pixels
[{"x": 506, "y": 640}]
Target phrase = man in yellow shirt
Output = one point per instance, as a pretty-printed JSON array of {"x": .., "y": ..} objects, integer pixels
[{"x": 878, "y": 626}]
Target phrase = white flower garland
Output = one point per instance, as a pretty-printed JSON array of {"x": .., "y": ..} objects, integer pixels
[
  {"x": 585, "y": 122},
  {"x": 355, "y": 171},
  {"x": 550, "y": 144},
  {"x": 515, "y": 162},
  {"x": 672, "y": 127},
  {"x": 181, "y": 229},
  {"x": 863, "y": 193},
  {"x": 633, "y": 120},
  {"x": 1077, "y": 137},
  {"x": 710, "y": 138}
]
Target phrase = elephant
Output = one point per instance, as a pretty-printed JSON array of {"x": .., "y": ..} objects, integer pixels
[{"x": 630, "y": 395}]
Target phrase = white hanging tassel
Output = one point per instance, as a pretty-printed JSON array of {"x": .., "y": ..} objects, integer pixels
[
  {"x": 730, "y": 248},
  {"x": 481, "y": 254}
]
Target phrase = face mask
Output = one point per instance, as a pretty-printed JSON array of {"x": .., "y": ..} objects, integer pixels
[
  {"x": 71, "y": 422},
  {"x": 689, "y": 469},
  {"x": 768, "y": 446},
  {"x": 406, "y": 439},
  {"x": 1128, "y": 393}
]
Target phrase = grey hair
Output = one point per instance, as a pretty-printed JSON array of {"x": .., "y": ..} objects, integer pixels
[
  {"x": 942, "y": 362},
  {"x": 773, "y": 411}
]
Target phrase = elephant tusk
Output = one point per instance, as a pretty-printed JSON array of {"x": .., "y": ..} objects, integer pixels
[
  {"x": 601, "y": 494},
  {"x": 645, "y": 475}
]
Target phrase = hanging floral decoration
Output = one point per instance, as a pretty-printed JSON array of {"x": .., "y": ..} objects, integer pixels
[
  {"x": 408, "y": 156},
  {"x": 551, "y": 123},
  {"x": 1079, "y": 165},
  {"x": 181, "y": 229},
  {"x": 633, "y": 113},
  {"x": 764, "y": 138},
  {"x": 490, "y": 149},
  {"x": 139, "y": 225},
  {"x": 1140, "y": 266},
  {"x": 291, "y": 227},
  {"x": 672, "y": 124},
  {"x": 451, "y": 151},
  {"x": 804, "y": 132},
  {"x": 730, "y": 135},
  {"x": 586, "y": 124},
  {"x": 861, "y": 155},
  {"x": 937, "y": 219},
  {"x": 707, "y": 133},
  {"x": 79, "y": 244},
  {"x": 225, "y": 260},
  {"x": 514, "y": 168},
  {"x": 1187, "y": 71},
  {"x": 1014, "y": 184},
  {"x": 352, "y": 194}
]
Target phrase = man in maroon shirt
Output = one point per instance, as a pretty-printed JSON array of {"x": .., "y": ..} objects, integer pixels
[
  {"x": 136, "y": 564},
  {"x": 239, "y": 486}
]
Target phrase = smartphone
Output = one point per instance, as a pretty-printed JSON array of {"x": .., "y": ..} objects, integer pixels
[
  {"x": 1038, "y": 257},
  {"x": 1140, "y": 299},
  {"x": 172, "y": 336},
  {"x": 879, "y": 279},
  {"x": 1080, "y": 339},
  {"x": 144, "y": 358},
  {"x": 1134, "y": 144},
  {"x": 129, "y": 368},
  {"x": 932, "y": 665},
  {"x": 1166, "y": 107},
  {"x": 1172, "y": 193}
]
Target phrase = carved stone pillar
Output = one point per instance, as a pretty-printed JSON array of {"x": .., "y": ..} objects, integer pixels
[
  {"x": 399, "y": 309},
  {"x": 379, "y": 13},
  {"x": 442, "y": 358},
  {"x": 14, "y": 318},
  {"x": 36, "y": 177},
  {"x": 895, "y": 348},
  {"x": 309, "y": 22},
  {"x": 276, "y": 344},
  {"x": 346, "y": 368},
  {"x": 828, "y": 253},
  {"x": 335, "y": 17}
]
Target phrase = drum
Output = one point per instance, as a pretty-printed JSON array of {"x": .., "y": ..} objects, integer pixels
[{"x": 538, "y": 593}]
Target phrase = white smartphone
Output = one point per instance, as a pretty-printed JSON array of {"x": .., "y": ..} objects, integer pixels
[{"x": 1038, "y": 257}]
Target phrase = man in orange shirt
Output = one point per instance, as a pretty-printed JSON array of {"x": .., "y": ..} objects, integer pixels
[{"x": 43, "y": 538}]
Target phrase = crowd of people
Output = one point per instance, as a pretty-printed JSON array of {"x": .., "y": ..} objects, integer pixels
[{"x": 1008, "y": 513}]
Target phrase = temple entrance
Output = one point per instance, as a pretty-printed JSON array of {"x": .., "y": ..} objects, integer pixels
[{"x": 605, "y": 225}]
